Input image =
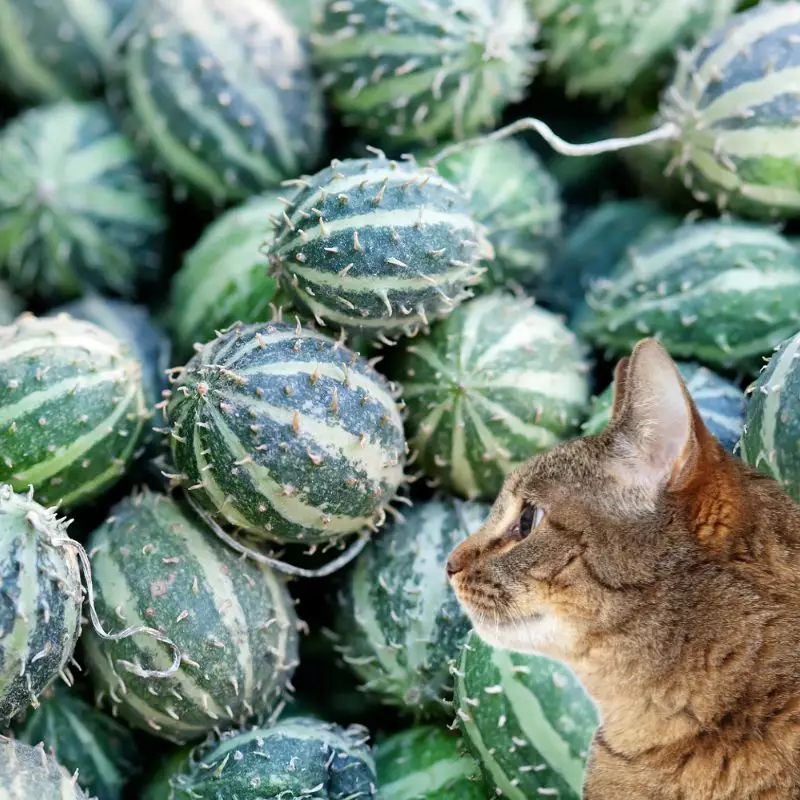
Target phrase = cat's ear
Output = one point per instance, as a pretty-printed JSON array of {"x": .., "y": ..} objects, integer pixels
[
  {"x": 654, "y": 427},
  {"x": 620, "y": 375}
]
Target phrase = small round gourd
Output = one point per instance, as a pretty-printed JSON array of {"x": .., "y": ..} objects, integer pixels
[{"x": 29, "y": 772}]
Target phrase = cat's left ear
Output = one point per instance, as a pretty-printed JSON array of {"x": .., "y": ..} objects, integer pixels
[{"x": 657, "y": 431}]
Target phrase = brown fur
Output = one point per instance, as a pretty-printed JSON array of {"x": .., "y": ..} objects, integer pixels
[{"x": 666, "y": 574}]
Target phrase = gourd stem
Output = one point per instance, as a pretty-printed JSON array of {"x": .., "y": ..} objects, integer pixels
[
  {"x": 281, "y": 566},
  {"x": 667, "y": 131},
  {"x": 115, "y": 637}
]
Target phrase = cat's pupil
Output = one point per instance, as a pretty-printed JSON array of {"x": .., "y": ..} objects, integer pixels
[{"x": 526, "y": 521}]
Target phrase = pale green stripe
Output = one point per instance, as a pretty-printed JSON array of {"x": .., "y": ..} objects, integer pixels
[
  {"x": 241, "y": 348},
  {"x": 471, "y": 327},
  {"x": 431, "y": 357},
  {"x": 86, "y": 166},
  {"x": 571, "y": 384},
  {"x": 487, "y": 439},
  {"x": 746, "y": 95},
  {"x": 431, "y": 421},
  {"x": 387, "y": 44},
  {"x": 88, "y": 487},
  {"x": 539, "y": 436},
  {"x": 104, "y": 345},
  {"x": 528, "y": 330},
  {"x": 437, "y": 777},
  {"x": 94, "y": 20},
  {"x": 461, "y": 474},
  {"x": 750, "y": 143}
]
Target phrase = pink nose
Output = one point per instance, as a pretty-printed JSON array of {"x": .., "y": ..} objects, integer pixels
[{"x": 452, "y": 568}]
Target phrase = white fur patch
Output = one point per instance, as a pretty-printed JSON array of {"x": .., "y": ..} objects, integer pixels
[{"x": 545, "y": 635}]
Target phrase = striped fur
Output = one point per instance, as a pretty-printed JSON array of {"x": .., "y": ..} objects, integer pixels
[
  {"x": 516, "y": 198},
  {"x": 76, "y": 209},
  {"x": 735, "y": 99},
  {"x": 299, "y": 757},
  {"x": 57, "y": 49},
  {"x": 400, "y": 626},
  {"x": 495, "y": 383},
  {"x": 427, "y": 763},
  {"x": 40, "y": 602},
  {"x": 222, "y": 92},
  {"x": 285, "y": 433},
  {"x": 29, "y": 773},
  {"x": 232, "y": 619},
  {"x": 224, "y": 277},
  {"x": 72, "y": 408},
  {"x": 527, "y": 721},
  {"x": 721, "y": 293},
  {"x": 414, "y": 72},
  {"x": 721, "y": 404},
  {"x": 376, "y": 246},
  {"x": 771, "y": 438}
]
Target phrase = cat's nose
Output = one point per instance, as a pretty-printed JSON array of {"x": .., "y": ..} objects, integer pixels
[{"x": 452, "y": 567}]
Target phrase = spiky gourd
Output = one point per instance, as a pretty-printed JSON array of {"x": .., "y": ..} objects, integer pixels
[
  {"x": 222, "y": 92},
  {"x": 721, "y": 293},
  {"x": 527, "y": 721},
  {"x": 56, "y": 49},
  {"x": 512, "y": 194},
  {"x": 29, "y": 772},
  {"x": 296, "y": 759},
  {"x": 595, "y": 246},
  {"x": 771, "y": 437},
  {"x": 721, "y": 404},
  {"x": 601, "y": 47},
  {"x": 76, "y": 208},
  {"x": 400, "y": 625},
  {"x": 103, "y": 752},
  {"x": 285, "y": 433},
  {"x": 232, "y": 619},
  {"x": 427, "y": 763},
  {"x": 72, "y": 408},
  {"x": 498, "y": 381},
  {"x": 134, "y": 327},
  {"x": 376, "y": 245},
  {"x": 420, "y": 73},
  {"x": 224, "y": 278},
  {"x": 40, "y": 601}
]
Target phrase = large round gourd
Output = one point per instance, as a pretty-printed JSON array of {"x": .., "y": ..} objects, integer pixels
[
  {"x": 232, "y": 619},
  {"x": 427, "y": 763},
  {"x": 526, "y": 719},
  {"x": 722, "y": 293},
  {"x": 307, "y": 760},
  {"x": 222, "y": 92},
  {"x": 55, "y": 49},
  {"x": 376, "y": 245},
  {"x": 224, "y": 278},
  {"x": 40, "y": 601},
  {"x": 400, "y": 625},
  {"x": 498, "y": 381},
  {"x": 424, "y": 72},
  {"x": 771, "y": 437},
  {"x": 72, "y": 408},
  {"x": 286, "y": 434},
  {"x": 77, "y": 209},
  {"x": 29, "y": 772}
]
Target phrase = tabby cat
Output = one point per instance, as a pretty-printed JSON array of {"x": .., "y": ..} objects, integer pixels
[{"x": 666, "y": 574}]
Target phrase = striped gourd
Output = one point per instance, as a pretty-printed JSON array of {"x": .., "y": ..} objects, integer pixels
[
  {"x": 134, "y": 327},
  {"x": 40, "y": 601},
  {"x": 733, "y": 99},
  {"x": 232, "y": 619},
  {"x": 29, "y": 773},
  {"x": 498, "y": 381},
  {"x": 427, "y": 763},
  {"x": 601, "y": 47},
  {"x": 418, "y": 72},
  {"x": 400, "y": 625},
  {"x": 72, "y": 408},
  {"x": 512, "y": 194},
  {"x": 76, "y": 209},
  {"x": 771, "y": 437},
  {"x": 300, "y": 758},
  {"x": 81, "y": 738},
  {"x": 595, "y": 246},
  {"x": 527, "y": 721},
  {"x": 10, "y": 305},
  {"x": 221, "y": 91},
  {"x": 286, "y": 434},
  {"x": 720, "y": 402},
  {"x": 377, "y": 245},
  {"x": 56, "y": 49},
  {"x": 224, "y": 278},
  {"x": 716, "y": 292}
]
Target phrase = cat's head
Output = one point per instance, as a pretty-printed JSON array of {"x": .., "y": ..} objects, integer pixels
[{"x": 586, "y": 535}]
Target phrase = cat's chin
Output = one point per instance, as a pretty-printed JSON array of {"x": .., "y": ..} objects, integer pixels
[{"x": 541, "y": 634}]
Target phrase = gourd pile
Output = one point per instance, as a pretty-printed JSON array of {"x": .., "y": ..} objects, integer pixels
[{"x": 288, "y": 287}]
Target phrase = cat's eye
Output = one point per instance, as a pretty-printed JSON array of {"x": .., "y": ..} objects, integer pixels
[{"x": 530, "y": 519}]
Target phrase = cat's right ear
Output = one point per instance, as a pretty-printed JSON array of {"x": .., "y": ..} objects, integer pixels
[{"x": 620, "y": 376}]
